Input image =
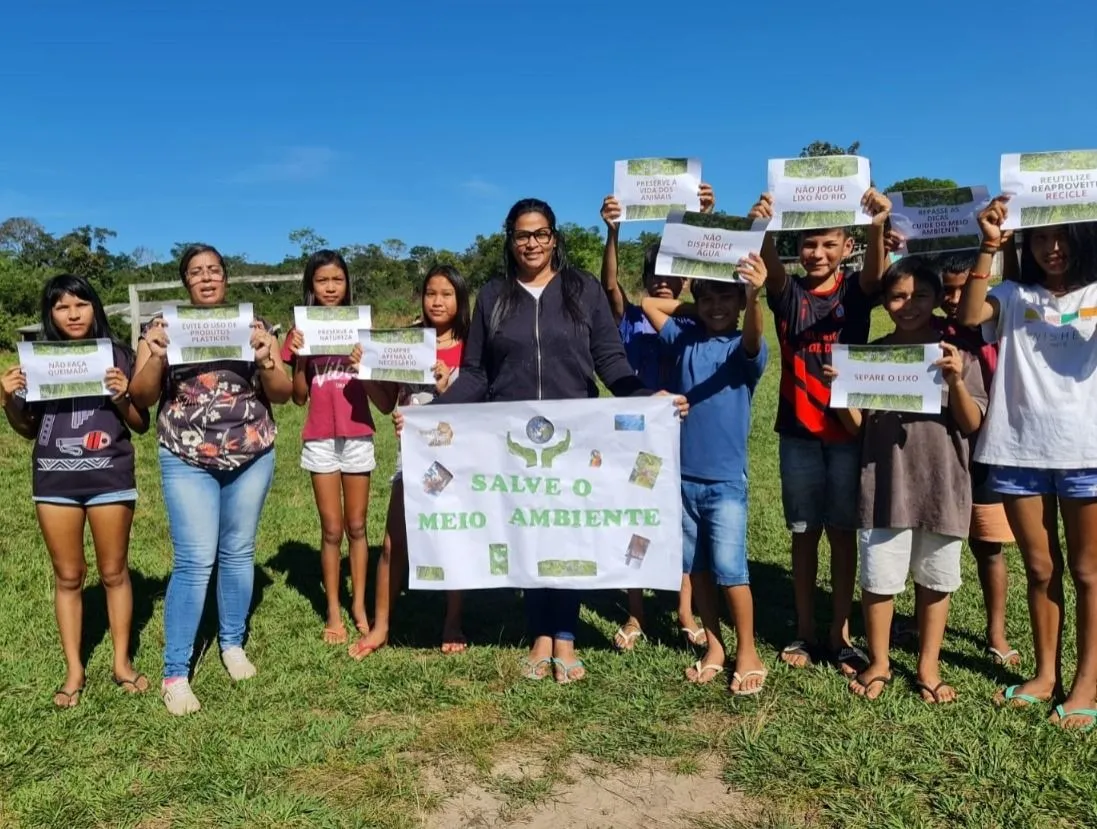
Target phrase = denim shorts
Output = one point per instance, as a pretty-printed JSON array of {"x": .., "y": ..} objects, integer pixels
[
  {"x": 714, "y": 530},
  {"x": 819, "y": 483},
  {"x": 120, "y": 496},
  {"x": 1027, "y": 480}
]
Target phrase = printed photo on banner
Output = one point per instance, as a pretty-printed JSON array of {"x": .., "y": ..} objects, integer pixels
[
  {"x": 1050, "y": 188},
  {"x": 818, "y": 192},
  {"x": 648, "y": 189},
  {"x": 707, "y": 245},
  {"x": 934, "y": 221},
  {"x": 574, "y": 494},
  {"x": 399, "y": 355},
  {"x": 887, "y": 378},
  {"x": 201, "y": 334},
  {"x": 72, "y": 368},
  {"x": 330, "y": 329}
]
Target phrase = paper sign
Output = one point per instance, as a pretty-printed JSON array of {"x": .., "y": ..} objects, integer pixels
[
  {"x": 818, "y": 192},
  {"x": 57, "y": 370},
  {"x": 707, "y": 245},
  {"x": 1050, "y": 188},
  {"x": 650, "y": 188},
  {"x": 933, "y": 221},
  {"x": 200, "y": 334},
  {"x": 330, "y": 329},
  {"x": 580, "y": 494},
  {"x": 887, "y": 378},
  {"x": 399, "y": 355}
]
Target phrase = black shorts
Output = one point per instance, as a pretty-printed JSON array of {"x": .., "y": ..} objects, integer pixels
[{"x": 981, "y": 491}]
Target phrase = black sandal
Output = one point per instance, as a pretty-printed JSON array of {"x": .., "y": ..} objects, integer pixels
[
  {"x": 935, "y": 692},
  {"x": 133, "y": 683},
  {"x": 73, "y": 697},
  {"x": 883, "y": 679}
]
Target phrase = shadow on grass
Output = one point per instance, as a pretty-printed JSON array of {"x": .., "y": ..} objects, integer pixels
[
  {"x": 96, "y": 625},
  {"x": 300, "y": 562}
]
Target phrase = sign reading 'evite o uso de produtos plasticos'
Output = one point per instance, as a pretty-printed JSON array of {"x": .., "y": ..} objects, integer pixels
[
  {"x": 887, "y": 378},
  {"x": 59, "y": 370},
  {"x": 580, "y": 494},
  {"x": 818, "y": 192},
  {"x": 330, "y": 329},
  {"x": 199, "y": 334},
  {"x": 650, "y": 188},
  {"x": 707, "y": 245},
  {"x": 933, "y": 221},
  {"x": 1050, "y": 188}
]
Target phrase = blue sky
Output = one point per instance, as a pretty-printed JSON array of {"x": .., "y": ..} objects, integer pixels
[{"x": 236, "y": 122}]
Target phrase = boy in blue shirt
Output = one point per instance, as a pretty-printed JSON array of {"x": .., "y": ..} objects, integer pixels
[{"x": 717, "y": 368}]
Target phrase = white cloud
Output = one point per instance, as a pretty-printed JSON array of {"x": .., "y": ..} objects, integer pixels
[{"x": 292, "y": 164}]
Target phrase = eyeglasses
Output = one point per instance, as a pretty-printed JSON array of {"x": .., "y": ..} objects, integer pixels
[
  {"x": 542, "y": 236},
  {"x": 213, "y": 273}
]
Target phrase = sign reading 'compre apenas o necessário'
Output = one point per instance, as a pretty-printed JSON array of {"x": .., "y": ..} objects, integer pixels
[{"x": 581, "y": 494}]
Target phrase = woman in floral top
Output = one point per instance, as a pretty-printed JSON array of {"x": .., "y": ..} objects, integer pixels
[{"x": 216, "y": 434}]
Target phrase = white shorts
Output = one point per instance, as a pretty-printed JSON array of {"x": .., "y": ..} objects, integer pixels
[
  {"x": 351, "y": 455},
  {"x": 887, "y": 556}
]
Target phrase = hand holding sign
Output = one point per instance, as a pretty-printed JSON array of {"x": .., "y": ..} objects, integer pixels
[
  {"x": 951, "y": 364},
  {"x": 611, "y": 212},
  {"x": 156, "y": 338},
  {"x": 876, "y": 205},
  {"x": 991, "y": 220},
  {"x": 11, "y": 383},
  {"x": 117, "y": 383},
  {"x": 763, "y": 208},
  {"x": 707, "y": 197}
]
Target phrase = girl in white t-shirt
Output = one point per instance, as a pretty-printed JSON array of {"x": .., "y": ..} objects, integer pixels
[{"x": 1039, "y": 438}]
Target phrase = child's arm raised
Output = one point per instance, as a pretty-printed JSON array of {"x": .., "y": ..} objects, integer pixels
[
  {"x": 658, "y": 311},
  {"x": 295, "y": 341},
  {"x": 753, "y": 271},
  {"x": 877, "y": 205},
  {"x": 975, "y": 306},
  {"x": 965, "y": 410},
  {"x": 19, "y": 416},
  {"x": 611, "y": 215},
  {"x": 851, "y": 419},
  {"x": 135, "y": 417},
  {"x": 776, "y": 277}
]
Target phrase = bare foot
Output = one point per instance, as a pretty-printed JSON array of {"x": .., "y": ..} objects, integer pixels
[
  {"x": 335, "y": 634},
  {"x": 872, "y": 682},
  {"x": 371, "y": 642},
  {"x": 453, "y": 639},
  {"x": 796, "y": 654},
  {"x": 934, "y": 690},
  {"x": 361, "y": 623}
]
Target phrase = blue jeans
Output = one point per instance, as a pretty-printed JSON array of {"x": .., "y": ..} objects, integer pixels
[
  {"x": 552, "y": 613},
  {"x": 714, "y": 530},
  {"x": 1025, "y": 480},
  {"x": 819, "y": 483},
  {"x": 213, "y": 515}
]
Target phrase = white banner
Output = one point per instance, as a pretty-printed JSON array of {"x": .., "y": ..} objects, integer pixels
[
  {"x": 1050, "y": 188},
  {"x": 650, "y": 188},
  {"x": 398, "y": 355},
  {"x": 933, "y": 221},
  {"x": 581, "y": 494},
  {"x": 61, "y": 369},
  {"x": 330, "y": 329},
  {"x": 201, "y": 334},
  {"x": 887, "y": 378},
  {"x": 818, "y": 192},
  {"x": 707, "y": 245}
]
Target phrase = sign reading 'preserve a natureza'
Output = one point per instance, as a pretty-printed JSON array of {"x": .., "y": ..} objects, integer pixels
[
  {"x": 59, "y": 370},
  {"x": 581, "y": 494},
  {"x": 199, "y": 334},
  {"x": 650, "y": 188},
  {"x": 932, "y": 221},
  {"x": 1050, "y": 188},
  {"x": 330, "y": 330},
  {"x": 706, "y": 245},
  {"x": 818, "y": 192},
  {"x": 398, "y": 355},
  {"x": 888, "y": 378}
]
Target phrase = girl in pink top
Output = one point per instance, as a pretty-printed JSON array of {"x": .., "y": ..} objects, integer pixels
[
  {"x": 337, "y": 445},
  {"x": 445, "y": 307}
]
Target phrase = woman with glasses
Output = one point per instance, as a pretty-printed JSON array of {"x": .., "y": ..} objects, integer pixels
[
  {"x": 216, "y": 433},
  {"x": 543, "y": 331}
]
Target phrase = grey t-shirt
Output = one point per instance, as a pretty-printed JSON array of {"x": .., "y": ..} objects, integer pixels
[{"x": 915, "y": 467}]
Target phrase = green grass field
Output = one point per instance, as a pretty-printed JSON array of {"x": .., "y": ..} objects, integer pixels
[{"x": 319, "y": 740}]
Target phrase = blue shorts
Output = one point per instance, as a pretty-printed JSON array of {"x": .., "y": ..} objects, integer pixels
[
  {"x": 120, "y": 496},
  {"x": 1027, "y": 480},
  {"x": 819, "y": 483},
  {"x": 714, "y": 530}
]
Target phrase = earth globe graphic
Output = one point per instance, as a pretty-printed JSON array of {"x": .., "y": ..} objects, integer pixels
[{"x": 540, "y": 429}]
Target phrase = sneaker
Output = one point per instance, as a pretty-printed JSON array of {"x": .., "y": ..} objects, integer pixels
[
  {"x": 178, "y": 698},
  {"x": 237, "y": 664}
]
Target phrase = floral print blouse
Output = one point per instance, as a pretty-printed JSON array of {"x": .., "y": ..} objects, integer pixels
[{"x": 215, "y": 415}]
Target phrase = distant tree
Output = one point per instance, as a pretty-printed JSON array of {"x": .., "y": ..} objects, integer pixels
[
  {"x": 308, "y": 240},
  {"x": 394, "y": 248},
  {"x": 421, "y": 258},
  {"x": 818, "y": 148},
  {"x": 584, "y": 246},
  {"x": 908, "y": 185},
  {"x": 20, "y": 235},
  {"x": 483, "y": 260},
  {"x": 177, "y": 249},
  {"x": 144, "y": 257}
]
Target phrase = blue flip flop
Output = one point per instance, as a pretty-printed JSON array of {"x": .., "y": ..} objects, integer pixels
[
  {"x": 1077, "y": 712},
  {"x": 1010, "y": 697}
]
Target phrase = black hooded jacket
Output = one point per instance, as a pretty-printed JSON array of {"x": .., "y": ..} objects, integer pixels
[{"x": 539, "y": 352}]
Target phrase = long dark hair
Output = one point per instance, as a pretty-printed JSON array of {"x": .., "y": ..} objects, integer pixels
[
  {"x": 67, "y": 283},
  {"x": 571, "y": 279},
  {"x": 196, "y": 250},
  {"x": 317, "y": 261},
  {"x": 463, "y": 319},
  {"x": 1082, "y": 241}
]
